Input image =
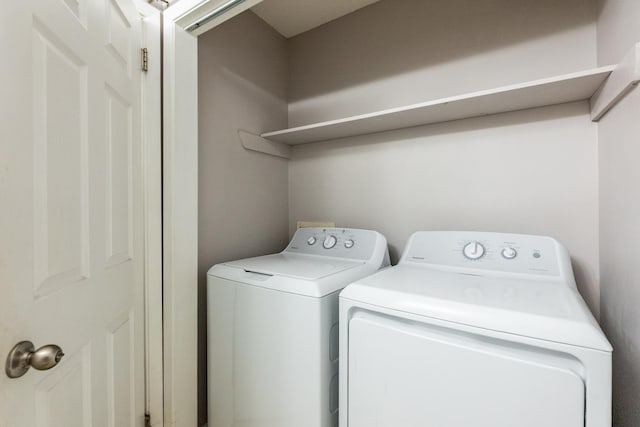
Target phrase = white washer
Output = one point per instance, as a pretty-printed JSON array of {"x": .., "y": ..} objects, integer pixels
[
  {"x": 473, "y": 329},
  {"x": 273, "y": 329}
]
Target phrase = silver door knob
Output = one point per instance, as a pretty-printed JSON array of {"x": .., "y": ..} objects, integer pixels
[{"x": 24, "y": 356}]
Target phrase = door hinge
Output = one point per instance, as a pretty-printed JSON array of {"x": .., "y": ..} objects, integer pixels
[
  {"x": 144, "y": 59},
  {"x": 147, "y": 420}
]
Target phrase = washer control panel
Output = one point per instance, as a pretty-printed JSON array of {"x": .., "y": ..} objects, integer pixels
[
  {"x": 511, "y": 253},
  {"x": 335, "y": 242}
]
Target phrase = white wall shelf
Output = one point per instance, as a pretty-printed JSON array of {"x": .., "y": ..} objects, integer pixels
[{"x": 555, "y": 90}]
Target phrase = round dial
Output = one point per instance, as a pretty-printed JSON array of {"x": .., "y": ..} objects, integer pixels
[
  {"x": 509, "y": 253},
  {"x": 311, "y": 241},
  {"x": 473, "y": 250},
  {"x": 329, "y": 242},
  {"x": 349, "y": 243}
]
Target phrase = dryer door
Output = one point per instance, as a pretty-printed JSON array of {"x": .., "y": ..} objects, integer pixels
[{"x": 409, "y": 374}]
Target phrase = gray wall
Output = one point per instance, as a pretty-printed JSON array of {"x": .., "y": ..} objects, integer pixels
[
  {"x": 243, "y": 200},
  {"x": 398, "y": 52},
  {"x": 619, "y": 146},
  {"x": 526, "y": 172}
]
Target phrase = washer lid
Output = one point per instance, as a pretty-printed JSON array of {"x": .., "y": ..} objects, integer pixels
[
  {"x": 547, "y": 310},
  {"x": 296, "y": 266}
]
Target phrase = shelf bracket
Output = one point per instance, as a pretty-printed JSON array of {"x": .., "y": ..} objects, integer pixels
[
  {"x": 257, "y": 143},
  {"x": 623, "y": 79}
]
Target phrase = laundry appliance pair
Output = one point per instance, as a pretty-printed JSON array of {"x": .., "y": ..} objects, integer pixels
[{"x": 469, "y": 329}]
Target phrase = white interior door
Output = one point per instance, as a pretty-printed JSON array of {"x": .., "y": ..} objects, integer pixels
[{"x": 71, "y": 241}]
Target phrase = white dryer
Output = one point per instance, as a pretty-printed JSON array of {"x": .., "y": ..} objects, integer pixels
[
  {"x": 273, "y": 329},
  {"x": 473, "y": 329}
]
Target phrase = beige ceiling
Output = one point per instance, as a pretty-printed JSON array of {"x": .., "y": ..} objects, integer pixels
[{"x": 292, "y": 17}]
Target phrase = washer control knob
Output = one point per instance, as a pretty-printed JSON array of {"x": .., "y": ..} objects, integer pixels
[
  {"x": 473, "y": 250},
  {"x": 311, "y": 241},
  {"x": 329, "y": 242},
  {"x": 349, "y": 243},
  {"x": 509, "y": 253}
]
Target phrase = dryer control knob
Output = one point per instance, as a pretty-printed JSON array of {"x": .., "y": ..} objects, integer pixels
[
  {"x": 311, "y": 241},
  {"x": 509, "y": 253},
  {"x": 473, "y": 250},
  {"x": 349, "y": 243},
  {"x": 329, "y": 242}
]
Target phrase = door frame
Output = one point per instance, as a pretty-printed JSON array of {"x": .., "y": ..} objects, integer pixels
[
  {"x": 152, "y": 210},
  {"x": 180, "y": 201}
]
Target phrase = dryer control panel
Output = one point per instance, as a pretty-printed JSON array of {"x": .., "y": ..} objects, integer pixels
[
  {"x": 497, "y": 252},
  {"x": 337, "y": 242}
]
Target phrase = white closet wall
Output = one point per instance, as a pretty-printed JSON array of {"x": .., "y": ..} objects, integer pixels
[
  {"x": 533, "y": 171},
  {"x": 243, "y": 200},
  {"x": 619, "y": 146}
]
